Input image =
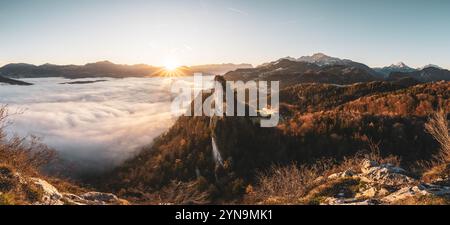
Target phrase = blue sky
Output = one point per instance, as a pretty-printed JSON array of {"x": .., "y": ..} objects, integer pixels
[{"x": 189, "y": 32}]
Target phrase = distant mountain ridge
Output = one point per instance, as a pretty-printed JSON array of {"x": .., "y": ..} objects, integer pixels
[
  {"x": 319, "y": 68},
  {"x": 13, "y": 82},
  {"x": 325, "y": 60},
  {"x": 430, "y": 65},
  {"x": 106, "y": 69},
  {"x": 427, "y": 74},
  {"x": 220, "y": 69},
  {"x": 98, "y": 69},
  {"x": 399, "y": 67}
]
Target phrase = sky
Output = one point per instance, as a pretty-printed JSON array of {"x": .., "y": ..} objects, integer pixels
[{"x": 192, "y": 32}]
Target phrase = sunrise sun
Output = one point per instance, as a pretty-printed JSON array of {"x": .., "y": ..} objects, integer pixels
[
  {"x": 171, "y": 68},
  {"x": 171, "y": 65}
]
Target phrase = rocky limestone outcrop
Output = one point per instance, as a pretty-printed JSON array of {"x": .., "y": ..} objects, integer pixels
[
  {"x": 51, "y": 196},
  {"x": 383, "y": 184},
  {"x": 37, "y": 191}
]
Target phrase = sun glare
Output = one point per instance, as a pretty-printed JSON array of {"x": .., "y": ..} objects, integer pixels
[
  {"x": 171, "y": 69},
  {"x": 171, "y": 65}
]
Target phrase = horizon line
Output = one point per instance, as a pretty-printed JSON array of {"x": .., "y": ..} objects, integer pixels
[
  {"x": 115, "y": 63},
  {"x": 204, "y": 64}
]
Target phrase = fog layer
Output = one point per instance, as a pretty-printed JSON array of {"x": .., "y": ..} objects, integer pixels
[{"x": 94, "y": 125}]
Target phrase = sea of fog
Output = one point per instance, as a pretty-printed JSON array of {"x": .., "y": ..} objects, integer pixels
[{"x": 95, "y": 125}]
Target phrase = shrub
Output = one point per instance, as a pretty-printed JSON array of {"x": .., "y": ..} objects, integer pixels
[
  {"x": 287, "y": 184},
  {"x": 437, "y": 126},
  {"x": 25, "y": 155},
  {"x": 7, "y": 180},
  {"x": 7, "y": 199},
  {"x": 32, "y": 193},
  {"x": 295, "y": 184}
]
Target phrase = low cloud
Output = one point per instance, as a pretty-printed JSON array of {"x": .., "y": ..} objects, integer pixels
[{"x": 95, "y": 125}]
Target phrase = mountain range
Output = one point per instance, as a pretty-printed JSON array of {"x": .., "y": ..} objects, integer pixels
[
  {"x": 106, "y": 69},
  {"x": 399, "y": 67},
  {"x": 318, "y": 68},
  {"x": 427, "y": 74}
]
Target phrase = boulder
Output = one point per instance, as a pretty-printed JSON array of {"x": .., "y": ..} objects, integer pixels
[
  {"x": 334, "y": 176},
  {"x": 101, "y": 198},
  {"x": 347, "y": 173},
  {"x": 51, "y": 195},
  {"x": 369, "y": 193},
  {"x": 367, "y": 164},
  {"x": 384, "y": 184},
  {"x": 71, "y": 199},
  {"x": 406, "y": 192},
  {"x": 348, "y": 201},
  {"x": 384, "y": 174}
]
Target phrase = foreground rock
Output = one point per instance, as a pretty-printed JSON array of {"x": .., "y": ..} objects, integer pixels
[
  {"x": 51, "y": 196},
  {"x": 16, "y": 188},
  {"x": 382, "y": 184}
]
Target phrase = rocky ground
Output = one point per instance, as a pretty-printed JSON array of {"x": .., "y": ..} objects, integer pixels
[
  {"x": 373, "y": 184},
  {"x": 378, "y": 184},
  {"x": 16, "y": 188}
]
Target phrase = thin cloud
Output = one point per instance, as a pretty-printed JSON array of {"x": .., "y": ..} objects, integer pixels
[
  {"x": 287, "y": 22},
  {"x": 238, "y": 11},
  {"x": 187, "y": 47}
]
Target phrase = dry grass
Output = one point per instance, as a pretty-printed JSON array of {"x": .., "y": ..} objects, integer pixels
[
  {"x": 197, "y": 192},
  {"x": 25, "y": 155},
  {"x": 293, "y": 184},
  {"x": 286, "y": 184},
  {"x": 424, "y": 200},
  {"x": 438, "y": 171},
  {"x": 18, "y": 157},
  {"x": 7, "y": 199},
  {"x": 184, "y": 193},
  {"x": 437, "y": 126},
  {"x": 346, "y": 186}
]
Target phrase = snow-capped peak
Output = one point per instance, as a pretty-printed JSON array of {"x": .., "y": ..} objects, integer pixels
[
  {"x": 399, "y": 65},
  {"x": 278, "y": 61},
  {"x": 320, "y": 56},
  {"x": 288, "y": 58},
  {"x": 322, "y": 59}
]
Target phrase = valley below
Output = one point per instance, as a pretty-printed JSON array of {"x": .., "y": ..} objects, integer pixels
[{"x": 92, "y": 125}]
